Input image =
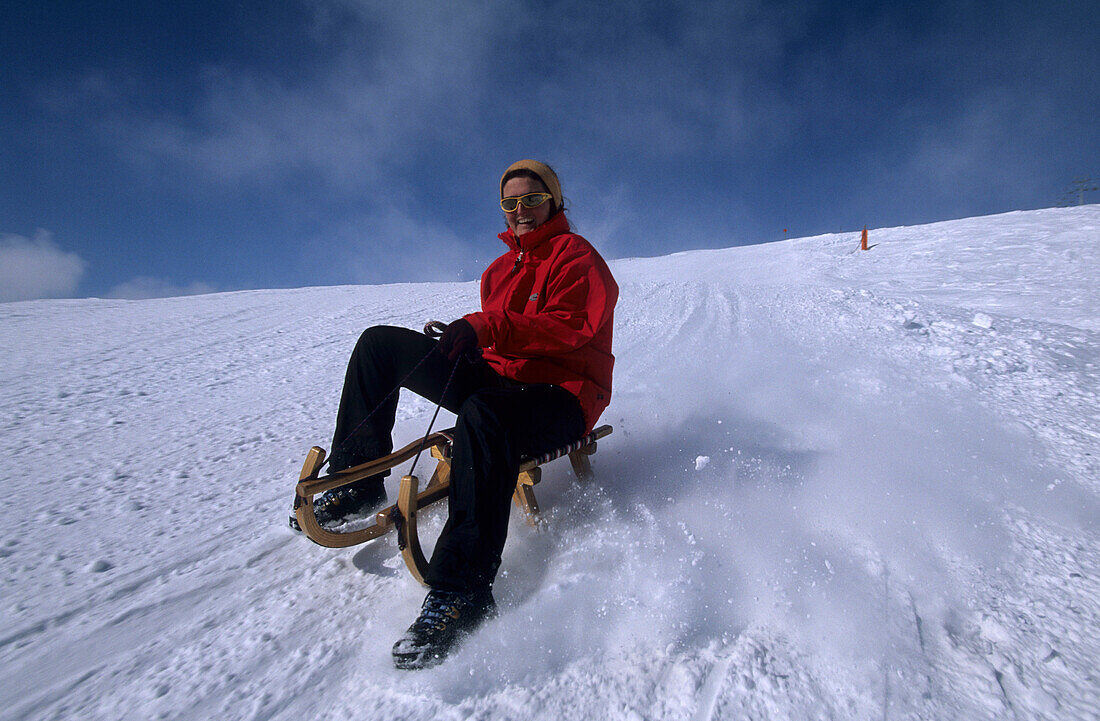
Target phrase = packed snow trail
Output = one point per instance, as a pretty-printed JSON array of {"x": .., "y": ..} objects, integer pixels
[{"x": 896, "y": 517}]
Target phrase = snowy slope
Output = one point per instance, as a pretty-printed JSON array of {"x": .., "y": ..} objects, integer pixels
[{"x": 842, "y": 485}]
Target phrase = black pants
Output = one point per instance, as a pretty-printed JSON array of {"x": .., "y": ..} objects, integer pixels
[{"x": 499, "y": 421}]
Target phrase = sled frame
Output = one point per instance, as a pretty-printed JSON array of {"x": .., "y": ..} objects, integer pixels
[{"x": 402, "y": 516}]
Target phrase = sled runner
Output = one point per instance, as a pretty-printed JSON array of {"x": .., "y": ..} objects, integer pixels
[{"x": 410, "y": 499}]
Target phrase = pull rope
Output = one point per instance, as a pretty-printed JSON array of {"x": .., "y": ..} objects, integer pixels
[
  {"x": 435, "y": 415},
  {"x": 395, "y": 515},
  {"x": 434, "y": 328}
]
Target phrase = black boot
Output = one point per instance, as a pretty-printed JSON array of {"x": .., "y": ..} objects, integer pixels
[
  {"x": 347, "y": 503},
  {"x": 445, "y": 619}
]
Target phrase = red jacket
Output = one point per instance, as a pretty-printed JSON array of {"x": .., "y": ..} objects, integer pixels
[{"x": 547, "y": 310}]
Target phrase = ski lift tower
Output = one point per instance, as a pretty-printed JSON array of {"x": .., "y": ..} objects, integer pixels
[{"x": 1082, "y": 186}]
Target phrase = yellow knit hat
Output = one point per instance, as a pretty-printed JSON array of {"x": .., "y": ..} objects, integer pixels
[{"x": 548, "y": 177}]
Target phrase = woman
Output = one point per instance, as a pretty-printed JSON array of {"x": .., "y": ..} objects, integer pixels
[{"x": 542, "y": 379}]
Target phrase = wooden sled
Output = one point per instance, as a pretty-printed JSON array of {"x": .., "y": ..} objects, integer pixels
[{"x": 410, "y": 499}]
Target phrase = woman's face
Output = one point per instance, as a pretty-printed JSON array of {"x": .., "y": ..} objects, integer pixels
[{"x": 523, "y": 219}]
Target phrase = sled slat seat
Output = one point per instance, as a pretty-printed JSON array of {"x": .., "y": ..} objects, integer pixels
[{"x": 410, "y": 499}]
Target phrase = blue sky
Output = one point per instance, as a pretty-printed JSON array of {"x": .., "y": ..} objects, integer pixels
[{"x": 162, "y": 148}]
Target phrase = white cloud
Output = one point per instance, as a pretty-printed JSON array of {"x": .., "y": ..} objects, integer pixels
[
  {"x": 36, "y": 268},
  {"x": 410, "y": 77},
  {"x": 653, "y": 82},
  {"x": 971, "y": 156},
  {"x": 392, "y": 246},
  {"x": 396, "y": 85},
  {"x": 144, "y": 287}
]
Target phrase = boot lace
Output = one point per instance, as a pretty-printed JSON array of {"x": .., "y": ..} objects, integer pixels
[
  {"x": 440, "y": 607},
  {"x": 334, "y": 499}
]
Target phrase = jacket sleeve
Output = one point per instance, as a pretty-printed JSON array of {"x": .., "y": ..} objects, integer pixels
[{"x": 581, "y": 297}]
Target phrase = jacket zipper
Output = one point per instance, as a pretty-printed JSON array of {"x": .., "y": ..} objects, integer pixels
[{"x": 519, "y": 259}]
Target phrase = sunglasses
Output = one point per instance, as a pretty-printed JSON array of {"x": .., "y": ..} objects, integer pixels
[{"x": 531, "y": 200}]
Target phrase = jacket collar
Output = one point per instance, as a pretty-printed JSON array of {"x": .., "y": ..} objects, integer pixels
[{"x": 556, "y": 225}]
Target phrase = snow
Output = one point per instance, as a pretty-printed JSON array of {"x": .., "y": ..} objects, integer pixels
[{"x": 842, "y": 484}]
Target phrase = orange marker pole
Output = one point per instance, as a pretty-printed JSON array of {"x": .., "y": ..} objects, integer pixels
[{"x": 863, "y": 240}]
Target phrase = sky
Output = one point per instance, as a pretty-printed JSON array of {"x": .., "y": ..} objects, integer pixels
[{"x": 155, "y": 149}]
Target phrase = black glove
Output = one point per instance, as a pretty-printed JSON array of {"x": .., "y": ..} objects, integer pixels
[{"x": 459, "y": 339}]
